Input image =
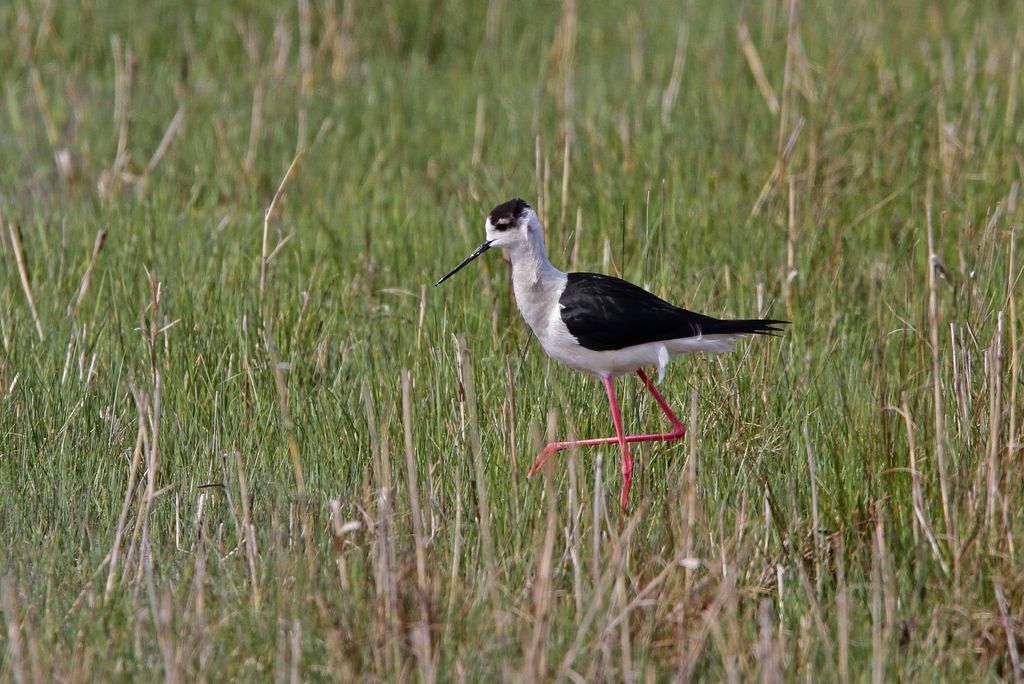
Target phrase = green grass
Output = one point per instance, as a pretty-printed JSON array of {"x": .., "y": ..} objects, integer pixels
[{"x": 415, "y": 119}]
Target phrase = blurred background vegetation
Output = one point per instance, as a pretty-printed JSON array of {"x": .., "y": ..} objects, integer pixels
[{"x": 210, "y": 465}]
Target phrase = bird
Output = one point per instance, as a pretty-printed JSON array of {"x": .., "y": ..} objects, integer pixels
[{"x": 602, "y": 325}]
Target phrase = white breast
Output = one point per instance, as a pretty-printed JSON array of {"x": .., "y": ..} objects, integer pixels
[
  {"x": 538, "y": 287},
  {"x": 563, "y": 347}
]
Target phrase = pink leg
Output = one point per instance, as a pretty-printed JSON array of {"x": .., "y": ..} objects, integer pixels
[
  {"x": 678, "y": 429},
  {"x": 677, "y": 432},
  {"x": 627, "y": 459}
]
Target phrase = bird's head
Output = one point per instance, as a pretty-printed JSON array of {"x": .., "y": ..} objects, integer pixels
[{"x": 509, "y": 225}]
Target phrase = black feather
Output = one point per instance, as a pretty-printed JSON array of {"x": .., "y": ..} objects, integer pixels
[
  {"x": 507, "y": 214},
  {"x": 605, "y": 313}
]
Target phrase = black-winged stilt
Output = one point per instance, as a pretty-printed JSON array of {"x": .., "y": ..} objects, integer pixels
[{"x": 601, "y": 325}]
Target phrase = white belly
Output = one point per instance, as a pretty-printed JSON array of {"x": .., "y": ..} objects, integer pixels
[
  {"x": 537, "y": 296},
  {"x": 560, "y": 345}
]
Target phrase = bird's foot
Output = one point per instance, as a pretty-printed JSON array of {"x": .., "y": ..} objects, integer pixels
[{"x": 542, "y": 458}]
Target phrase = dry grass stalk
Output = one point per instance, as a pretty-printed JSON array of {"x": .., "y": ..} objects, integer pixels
[
  {"x": 671, "y": 92},
  {"x": 513, "y": 440},
  {"x": 296, "y": 653},
  {"x": 124, "y": 72},
  {"x": 199, "y": 607},
  {"x": 816, "y": 613},
  {"x": 249, "y": 532},
  {"x": 787, "y": 77},
  {"x": 708, "y": 622},
  {"x": 815, "y": 519},
  {"x": 161, "y": 610},
  {"x": 1012, "y": 439},
  {"x": 453, "y": 581},
  {"x": 338, "y": 38},
  {"x": 9, "y": 596},
  {"x": 493, "y": 22},
  {"x": 45, "y": 113},
  {"x": 625, "y": 642},
  {"x": 543, "y": 586},
  {"x": 921, "y": 517},
  {"x": 26, "y": 286},
  {"x": 129, "y": 494},
  {"x": 125, "y": 64},
  {"x": 339, "y": 529},
  {"x": 3, "y": 239},
  {"x": 778, "y": 171},
  {"x": 289, "y": 428},
  {"x": 690, "y": 485},
  {"x": 995, "y": 410},
  {"x": 1008, "y": 629},
  {"x": 788, "y": 135},
  {"x": 386, "y": 575},
  {"x": 575, "y": 259},
  {"x": 757, "y": 69},
  {"x": 883, "y": 601},
  {"x": 721, "y": 644},
  {"x": 1013, "y": 76},
  {"x": 268, "y": 217},
  {"x": 643, "y": 596},
  {"x": 232, "y": 507},
  {"x": 767, "y": 652},
  {"x": 948, "y": 147},
  {"x": 602, "y": 586},
  {"x": 380, "y": 557},
  {"x": 149, "y": 412},
  {"x": 421, "y": 630},
  {"x": 961, "y": 391},
  {"x": 165, "y": 141},
  {"x": 574, "y": 512},
  {"x": 595, "y": 523},
  {"x": 563, "y": 55},
  {"x": 564, "y": 217},
  {"x": 538, "y": 171},
  {"x": 843, "y": 608},
  {"x": 255, "y": 127},
  {"x": 142, "y": 407},
  {"x": 888, "y": 587},
  {"x": 484, "y": 509},
  {"x": 546, "y": 184},
  {"x": 457, "y": 532},
  {"x": 878, "y": 645},
  {"x": 933, "y": 328},
  {"x": 479, "y": 129},
  {"x": 306, "y": 70},
  {"x": 83, "y": 289},
  {"x": 539, "y": 177},
  {"x": 791, "y": 272},
  {"x": 275, "y": 364}
]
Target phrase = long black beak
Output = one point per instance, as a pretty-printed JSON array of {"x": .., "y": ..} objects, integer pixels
[{"x": 476, "y": 252}]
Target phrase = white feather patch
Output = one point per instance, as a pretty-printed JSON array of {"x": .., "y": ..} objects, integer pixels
[{"x": 663, "y": 359}]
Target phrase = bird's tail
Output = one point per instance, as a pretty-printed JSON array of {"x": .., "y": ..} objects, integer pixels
[{"x": 746, "y": 326}]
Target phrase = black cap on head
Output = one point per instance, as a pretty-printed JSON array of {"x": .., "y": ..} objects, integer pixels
[{"x": 506, "y": 215}]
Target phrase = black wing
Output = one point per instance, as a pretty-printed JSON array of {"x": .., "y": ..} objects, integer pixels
[{"x": 604, "y": 313}]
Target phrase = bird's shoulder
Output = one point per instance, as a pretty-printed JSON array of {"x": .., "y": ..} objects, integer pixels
[
  {"x": 604, "y": 312},
  {"x": 597, "y": 291}
]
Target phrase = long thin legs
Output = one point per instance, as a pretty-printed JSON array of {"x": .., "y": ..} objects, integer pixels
[
  {"x": 678, "y": 429},
  {"x": 627, "y": 459},
  {"x": 677, "y": 432}
]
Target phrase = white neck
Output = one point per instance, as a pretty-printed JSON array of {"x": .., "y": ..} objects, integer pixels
[
  {"x": 530, "y": 263},
  {"x": 536, "y": 282}
]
